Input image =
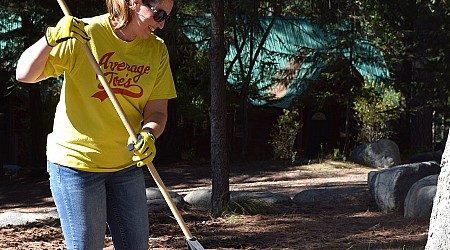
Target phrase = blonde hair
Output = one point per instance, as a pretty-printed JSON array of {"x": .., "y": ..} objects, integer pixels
[{"x": 119, "y": 10}]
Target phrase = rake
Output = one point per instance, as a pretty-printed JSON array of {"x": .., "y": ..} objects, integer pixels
[{"x": 191, "y": 241}]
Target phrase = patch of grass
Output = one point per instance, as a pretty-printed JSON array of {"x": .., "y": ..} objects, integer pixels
[
  {"x": 248, "y": 205},
  {"x": 233, "y": 218}
]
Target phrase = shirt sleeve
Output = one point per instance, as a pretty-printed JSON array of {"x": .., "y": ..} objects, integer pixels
[
  {"x": 164, "y": 87},
  {"x": 61, "y": 59}
]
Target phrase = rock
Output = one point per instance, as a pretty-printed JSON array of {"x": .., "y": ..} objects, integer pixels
[
  {"x": 21, "y": 218},
  {"x": 381, "y": 154},
  {"x": 389, "y": 187},
  {"x": 268, "y": 198},
  {"x": 156, "y": 201},
  {"x": 419, "y": 200},
  {"x": 199, "y": 198},
  {"x": 202, "y": 198}
]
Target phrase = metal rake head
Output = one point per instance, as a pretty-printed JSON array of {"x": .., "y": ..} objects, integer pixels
[{"x": 193, "y": 244}]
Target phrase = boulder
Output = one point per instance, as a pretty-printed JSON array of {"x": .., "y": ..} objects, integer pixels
[
  {"x": 419, "y": 200},
  {"x": 22, "y": 218},
  {"x": 202, "y": 198},
  {"x": 199, "y": 198},
  {"x": 389, "y": 187},
  {"x": 265, "y": 197},
  {"x": 156, "y": 201},
  {"x": 381, "y": 154}
]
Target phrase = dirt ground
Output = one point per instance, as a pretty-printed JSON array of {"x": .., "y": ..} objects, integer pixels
[{"x": 350, "y": 224}]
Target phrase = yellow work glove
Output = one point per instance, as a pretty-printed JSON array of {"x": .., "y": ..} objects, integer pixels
[
  {"x": 144, "y": 149},
  {"x": 68, "y": 27}
]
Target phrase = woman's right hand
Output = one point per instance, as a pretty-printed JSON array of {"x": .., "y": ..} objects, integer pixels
[{"x": 68, "y": 27}]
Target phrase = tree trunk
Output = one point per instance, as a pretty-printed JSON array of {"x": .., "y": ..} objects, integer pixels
[
  {"x": 405, "y": 79},
  {"x": 421, "y": 130},
  {"x": 440, "y": 217},
  {"x": 3, "y": 134},
  {"x": 220, "y": 173}
]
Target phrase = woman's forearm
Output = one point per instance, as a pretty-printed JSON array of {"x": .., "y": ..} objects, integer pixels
[
  {"x": 30, "y": 67},
  {"x": 156, "y": 124},
  {"x": 155, "y": 116}
]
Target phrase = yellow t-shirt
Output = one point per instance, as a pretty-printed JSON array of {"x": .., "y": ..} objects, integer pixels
[{"x": 87, "y": 133}]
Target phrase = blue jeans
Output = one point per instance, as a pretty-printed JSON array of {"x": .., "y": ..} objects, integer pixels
[{"x": 88, "y": 202}]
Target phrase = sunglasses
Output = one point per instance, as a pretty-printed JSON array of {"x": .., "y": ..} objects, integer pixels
[{"x": 158, "y": 15}]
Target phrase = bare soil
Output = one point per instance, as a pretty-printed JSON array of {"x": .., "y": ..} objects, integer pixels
[{"x": 349, "y": 224}]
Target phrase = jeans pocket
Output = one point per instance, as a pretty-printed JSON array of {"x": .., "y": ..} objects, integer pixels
[{"x": 54, "y": 170}]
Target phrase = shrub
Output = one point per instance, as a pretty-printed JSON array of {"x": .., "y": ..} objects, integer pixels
[
  {"x": 284, "y": 134},
  {"x": 375, "y": 107}
]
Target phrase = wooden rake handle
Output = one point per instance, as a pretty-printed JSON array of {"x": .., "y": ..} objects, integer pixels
[{"x": 131, "y": 132}]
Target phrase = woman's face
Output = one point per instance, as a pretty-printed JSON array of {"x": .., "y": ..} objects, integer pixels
[{"x": 150, "y": 17}]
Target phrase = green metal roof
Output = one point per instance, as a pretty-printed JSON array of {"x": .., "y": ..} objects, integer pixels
[{"x": 287, "y": 38}]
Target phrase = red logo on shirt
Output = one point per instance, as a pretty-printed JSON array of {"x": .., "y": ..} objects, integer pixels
[{"x": 121, "y": 76}]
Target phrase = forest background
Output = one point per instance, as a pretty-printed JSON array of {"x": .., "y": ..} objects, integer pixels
[{"x": 411, "y": 34}]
